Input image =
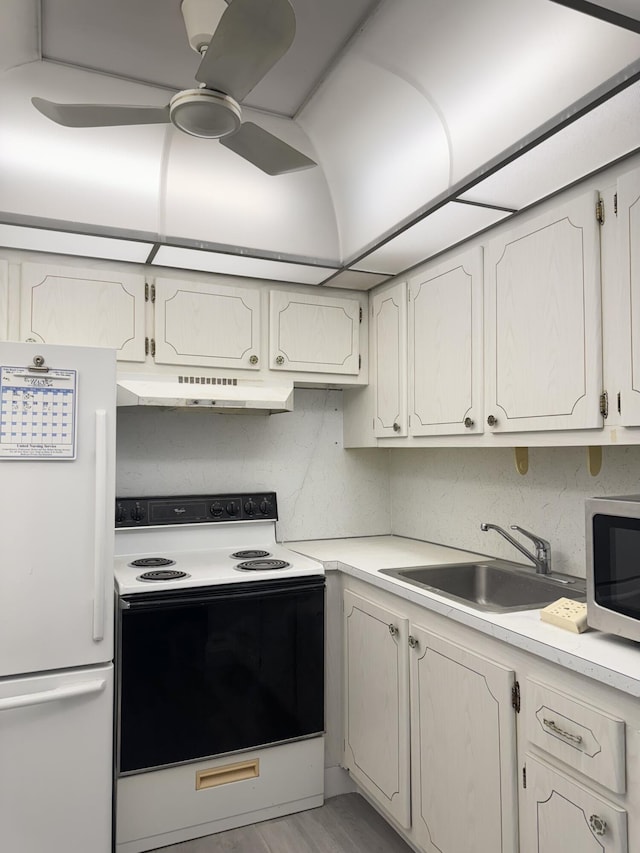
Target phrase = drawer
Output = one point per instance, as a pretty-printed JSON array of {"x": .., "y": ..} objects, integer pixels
[{"x": 583, "y": 737}]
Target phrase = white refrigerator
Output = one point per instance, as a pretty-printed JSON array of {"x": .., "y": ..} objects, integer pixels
[{"x": 57, "y": 473}]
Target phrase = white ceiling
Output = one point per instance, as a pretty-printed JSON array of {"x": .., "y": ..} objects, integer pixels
[{"x": 405, "y": 104}]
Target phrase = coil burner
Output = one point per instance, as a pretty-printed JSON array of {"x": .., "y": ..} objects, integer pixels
[
  {"x": 152, "y": 562},
  {"x": 262, "y": 565},
  {"x": 249, "y": 554},
  {"x": 163, "y": 575}
]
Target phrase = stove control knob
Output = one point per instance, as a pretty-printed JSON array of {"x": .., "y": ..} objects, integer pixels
[
  {"x": 137, "y": 513},
  {"x": 232, "y": 509},
  {"x": 250, "y": 507},
  {"x": 265, "y": 506},
  {"x": 121, "y": 514},
  {"x": 216, "y": 509}
]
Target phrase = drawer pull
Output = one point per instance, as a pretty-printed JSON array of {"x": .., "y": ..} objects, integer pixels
[
  {"x": 393, "y": 630},
  {"x": 598, "y": 824},
  {"x": 554, "y": 727},
  {"x": 413, "y": 642},
  {"x": 229, "y": 773}
]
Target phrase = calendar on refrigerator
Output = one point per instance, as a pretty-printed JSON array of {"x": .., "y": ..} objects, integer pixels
[{"x": 37, "y": 413}]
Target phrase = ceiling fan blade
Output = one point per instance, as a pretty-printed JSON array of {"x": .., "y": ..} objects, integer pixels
[
  {"x": 99, "y": 115},
  {"x": 266, "y": 151},
  {"x": 251, "y": 37}
]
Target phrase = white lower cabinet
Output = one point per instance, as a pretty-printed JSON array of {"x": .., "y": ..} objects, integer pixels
[
  {"x": 564, "y": 816},
  {"x": 463, "y": 749},
  {"x": 376, "y": 738},
  {"x": 463, "y": 758}
]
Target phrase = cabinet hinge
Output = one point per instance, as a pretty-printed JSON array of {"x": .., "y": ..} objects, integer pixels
[
  {"x": 619, "y": 403},
  {"x": 615, "y": 204},
  {"x": 153, "y": 293},
  {"x": 153, "y": 347},
  {"x": 146, "y": 291},
  {"x": 146, "y": 346},
  {"x": 600, "y": 212},
  {"x": 524, "y": 776},
  {"x": 604, "y": 404},
  {"x": 359, "y": 362},
  {"x": 515, "y": 697},
  {"x": 360, "y": 314}
]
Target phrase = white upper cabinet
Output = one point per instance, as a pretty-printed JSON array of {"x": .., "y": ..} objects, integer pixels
[
  {"x": 84, "y": 307},
  {"x": 543, "y": 322},
  {"x": 314, "y": 333},
  {"x": 445, "y": 347},
  {"x": 389, "y": 344},
  {"x": 629, "y": 224},
  {"x": 207, "y": 325}
]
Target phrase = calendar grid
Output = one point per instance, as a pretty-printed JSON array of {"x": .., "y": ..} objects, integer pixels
[{"x": 37, "y": 414}]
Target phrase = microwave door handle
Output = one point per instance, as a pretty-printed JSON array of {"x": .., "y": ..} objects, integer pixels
[
  {"x": 100, "y": 526},
  {"x": 85, "y": 688}
]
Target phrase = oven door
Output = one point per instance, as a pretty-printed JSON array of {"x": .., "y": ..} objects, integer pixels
[{"x": 208, "y": 671}]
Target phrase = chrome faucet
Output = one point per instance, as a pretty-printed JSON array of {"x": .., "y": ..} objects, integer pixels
[{"x": 542, "y": 557}]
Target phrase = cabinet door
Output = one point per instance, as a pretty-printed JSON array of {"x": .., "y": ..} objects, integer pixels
[
  {"x": 376, "y": 747},
  {"x": 314, "y": 333},
  {"x": 445, "y": 348},
  {"x": 629, "y": 224},
  {"x": 563, "y": 816},
  {"x": 543, "y": 323},
  {"x": 389, "y": 340},
  {"x": 83, "y": 307},
  {"x": 207, "y": 325},
  {"x": 463, "y": 759}
]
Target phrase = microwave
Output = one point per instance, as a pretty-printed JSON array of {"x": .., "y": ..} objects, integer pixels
[{"x": 613, "y": 565}]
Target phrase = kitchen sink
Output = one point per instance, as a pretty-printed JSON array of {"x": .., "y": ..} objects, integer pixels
[{"x": 493, "y": 585}]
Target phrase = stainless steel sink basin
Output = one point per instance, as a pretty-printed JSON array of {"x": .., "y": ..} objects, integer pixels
[{"x": 495, "y": 585}]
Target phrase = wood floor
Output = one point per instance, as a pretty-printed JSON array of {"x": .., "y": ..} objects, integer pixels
[{"x": 345, "y": 824}]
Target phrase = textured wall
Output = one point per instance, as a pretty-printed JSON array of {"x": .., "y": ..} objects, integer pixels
[
  {"x": 443, "y": 495},
  {"x": 323, "y": 490}
]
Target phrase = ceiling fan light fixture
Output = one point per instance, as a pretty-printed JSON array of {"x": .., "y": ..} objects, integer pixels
[{"x": 204, "y": 113}]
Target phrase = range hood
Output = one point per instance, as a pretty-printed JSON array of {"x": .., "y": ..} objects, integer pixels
[{"x": 227, "y": 396}]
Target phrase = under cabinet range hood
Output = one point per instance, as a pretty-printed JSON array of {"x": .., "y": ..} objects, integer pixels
[{"x": 227, "y": 396}]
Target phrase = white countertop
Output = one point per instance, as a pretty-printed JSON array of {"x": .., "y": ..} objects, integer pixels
[{"x": 603, "y": 657}]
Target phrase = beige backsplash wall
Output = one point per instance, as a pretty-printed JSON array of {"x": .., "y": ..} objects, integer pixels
[
  {"x": 323, "y": 490},
  {"x": 442, "y": 495}
]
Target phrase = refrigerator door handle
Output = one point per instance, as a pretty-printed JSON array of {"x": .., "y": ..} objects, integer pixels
[
  {"x": 85, "y": 688},
  {"x": 100, "y": 525}
]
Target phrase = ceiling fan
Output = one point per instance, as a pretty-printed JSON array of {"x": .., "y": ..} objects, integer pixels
[{"x": 249, "y": 38}]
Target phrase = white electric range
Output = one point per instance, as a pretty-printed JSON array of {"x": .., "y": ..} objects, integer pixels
[{"x": 219, "y": 669}]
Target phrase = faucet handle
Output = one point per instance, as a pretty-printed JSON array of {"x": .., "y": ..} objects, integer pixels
[{"x": 540, "y": 543}]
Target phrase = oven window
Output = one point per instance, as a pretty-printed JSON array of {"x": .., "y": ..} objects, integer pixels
[
  {"x": 212, "y": 673},
  {"x": 616, "y": 563}
]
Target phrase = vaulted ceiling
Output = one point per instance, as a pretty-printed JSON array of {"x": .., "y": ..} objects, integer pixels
[{"x": 430, "y": 121}]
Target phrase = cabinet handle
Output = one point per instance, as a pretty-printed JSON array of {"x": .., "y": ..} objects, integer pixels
[
  {"x": 280, "y": 359},
  {"x": 468, "y": 423},
  {"x": 413, "y": 642},
  {"x": 393, "y": 630},
  {"x": 396, "y": 426},
  {"x": 598, "y": 824},
  {"x": 253, "y": 359},
  {"x": 492, "y": 420},
  {"x": 551, "y": 724}
]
